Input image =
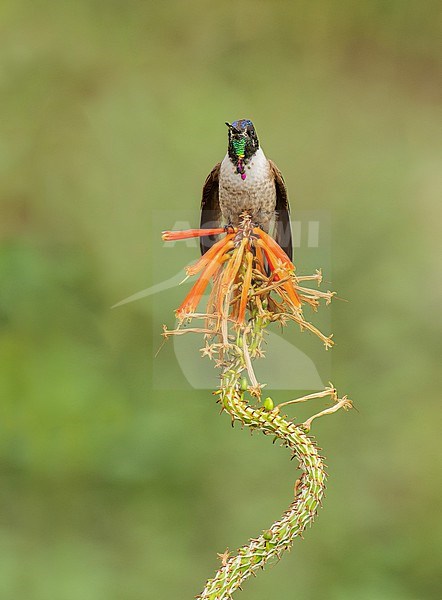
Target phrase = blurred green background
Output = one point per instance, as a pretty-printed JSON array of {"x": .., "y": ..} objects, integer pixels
[{"x": 114, "y": 489}]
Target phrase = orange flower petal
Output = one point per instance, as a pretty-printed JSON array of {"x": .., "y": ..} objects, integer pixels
[
  {"x": 280, "y": 269},
  {"x": 192, "y": 299},
  {"x": 260, "y": 258},
  {"x": 169, "y": 236},
  {"x": 245, "y": 287},
  {"x": 271, "y": 259},
  {"x": 274, "y": 247},
  {"x": 292, "y": 293},
  {"x": 229, "y": 275},
  {"x": 226, "y": 244}
]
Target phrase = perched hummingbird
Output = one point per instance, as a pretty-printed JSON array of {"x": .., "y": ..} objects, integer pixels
[{"x": 246, "y": 181}]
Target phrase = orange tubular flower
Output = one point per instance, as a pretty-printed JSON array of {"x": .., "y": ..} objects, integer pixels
[
  {"x": 274, "y": 247},
  {"x": 170, "y": 236},
  {"x": 292, "y": 293},
  {"x": 260, "y": 259},
  {"x": 230, "y": 273},
  {"x": 245, "y": 287},
  {"x": 231, "y": 262},
  {"x": 192, "y": 299},
  {"x": 234, "y": 265},
  {"x": 226, "y": 243},
  {"x": 281, "y": 268}
]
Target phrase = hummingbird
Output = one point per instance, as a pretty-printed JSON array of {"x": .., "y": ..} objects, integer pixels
[{"x": 246, "y": 181}]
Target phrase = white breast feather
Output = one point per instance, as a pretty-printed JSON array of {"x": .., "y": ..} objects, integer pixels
[{"x": 256, "y": 193}]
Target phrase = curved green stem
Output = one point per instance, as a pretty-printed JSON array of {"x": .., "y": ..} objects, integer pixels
[{"x": 309, "y": 489}]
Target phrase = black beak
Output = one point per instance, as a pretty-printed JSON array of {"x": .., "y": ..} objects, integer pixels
[{"x": 233, "y": 129}]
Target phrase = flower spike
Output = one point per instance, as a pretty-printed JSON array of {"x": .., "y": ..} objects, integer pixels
[{"x": 244, "y": 300}]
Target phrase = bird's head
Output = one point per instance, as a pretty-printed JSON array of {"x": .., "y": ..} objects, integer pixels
[{"x": 243, "y": 141}]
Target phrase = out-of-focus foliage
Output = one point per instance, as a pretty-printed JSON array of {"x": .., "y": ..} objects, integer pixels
[{"x": 113, "y": 487}]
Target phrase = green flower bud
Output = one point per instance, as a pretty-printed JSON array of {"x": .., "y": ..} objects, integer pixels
[
  {"x": 267, "y": 534},
  {"x": 244, "y": 384},
  {"x": 268, "y": 404}
]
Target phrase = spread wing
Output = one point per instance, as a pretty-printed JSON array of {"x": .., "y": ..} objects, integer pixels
[
  {"x": 283, "y": 230},
  {"x": 210, "y": 210}
]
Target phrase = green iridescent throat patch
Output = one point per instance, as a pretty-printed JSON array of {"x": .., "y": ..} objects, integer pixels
[{"x": 239, "y": 146}]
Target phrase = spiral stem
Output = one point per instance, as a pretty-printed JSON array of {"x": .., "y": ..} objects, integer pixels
[{"x": 309, "y": 488}]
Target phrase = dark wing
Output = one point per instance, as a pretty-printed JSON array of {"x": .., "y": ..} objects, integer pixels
[
  {"x": 210, "y": 210},
  {"x": 283, "y": 230}
]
